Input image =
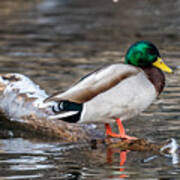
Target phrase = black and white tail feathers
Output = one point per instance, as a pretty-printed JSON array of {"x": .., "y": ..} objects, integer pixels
[{"x": 67, "y": 111}]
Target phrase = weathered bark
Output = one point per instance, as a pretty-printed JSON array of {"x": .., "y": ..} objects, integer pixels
[{"x": 22, "y": 108}]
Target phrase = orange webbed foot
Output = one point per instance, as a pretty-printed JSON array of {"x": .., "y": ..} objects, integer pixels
[{"x": 121, "y": 134}]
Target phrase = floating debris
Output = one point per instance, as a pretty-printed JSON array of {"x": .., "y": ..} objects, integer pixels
[{"x": 149, "y": 159}]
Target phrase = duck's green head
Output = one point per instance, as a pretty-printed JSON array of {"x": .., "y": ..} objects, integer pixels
[{"x": 143, "y": 54}]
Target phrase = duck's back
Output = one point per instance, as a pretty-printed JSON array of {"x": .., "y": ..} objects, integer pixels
[{"x": 96, "y": 83}]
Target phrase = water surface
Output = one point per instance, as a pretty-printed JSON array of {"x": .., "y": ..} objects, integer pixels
[{"x": 55, "y": 43}]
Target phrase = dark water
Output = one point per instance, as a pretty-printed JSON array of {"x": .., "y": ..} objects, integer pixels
[{"x": 55, "y": 42}]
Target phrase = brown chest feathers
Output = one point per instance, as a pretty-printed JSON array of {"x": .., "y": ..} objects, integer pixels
[{"x": 156, "y": 76}]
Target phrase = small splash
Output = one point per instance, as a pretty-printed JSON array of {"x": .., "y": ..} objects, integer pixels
[{"x": 172, "y": 148}]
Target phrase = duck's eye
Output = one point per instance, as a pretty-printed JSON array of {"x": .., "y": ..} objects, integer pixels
[{"x": 150, "y": 51}]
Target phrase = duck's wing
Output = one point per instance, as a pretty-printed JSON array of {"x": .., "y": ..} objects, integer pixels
[{"x": 95, "y": 83}]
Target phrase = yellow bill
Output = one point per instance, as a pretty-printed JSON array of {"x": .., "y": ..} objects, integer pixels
[{"x": 161, "y": 65}]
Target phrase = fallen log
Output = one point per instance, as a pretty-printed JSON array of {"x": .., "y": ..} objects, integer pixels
[{"x": 22, "y": 108}]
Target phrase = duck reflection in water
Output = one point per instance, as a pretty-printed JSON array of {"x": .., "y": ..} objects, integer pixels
[{"x": 122, "y": 157}]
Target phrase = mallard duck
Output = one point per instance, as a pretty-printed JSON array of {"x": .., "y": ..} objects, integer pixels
[{"x": 116, "y": 92}]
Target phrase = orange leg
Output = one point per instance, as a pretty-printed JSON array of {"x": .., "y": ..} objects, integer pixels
[{"x": 121, "y": 134}]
